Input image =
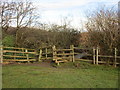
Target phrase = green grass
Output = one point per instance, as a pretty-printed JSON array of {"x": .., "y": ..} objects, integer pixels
[{"x": 64, "y": 76}]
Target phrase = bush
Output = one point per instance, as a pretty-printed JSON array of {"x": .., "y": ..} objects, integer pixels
[
  {"x": 35, "y": 38},
  {"x": 9, "y": 41}
]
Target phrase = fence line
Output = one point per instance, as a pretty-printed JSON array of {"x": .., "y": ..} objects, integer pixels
[
  {"x": 65, "y": 55},
  {"x": 57, "y": 55},
  {"x": 12, "y": 54}
]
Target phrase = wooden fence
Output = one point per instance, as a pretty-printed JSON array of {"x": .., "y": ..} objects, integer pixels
[
  {"x": 65, "y": 55},
  {"x": 12, "y": 54},
  {"x": 97, "y": 57},
  {"x": 45, "y": 53}
]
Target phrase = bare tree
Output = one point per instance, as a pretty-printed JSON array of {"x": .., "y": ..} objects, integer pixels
[
  {"x": 6, "y": 14},
  {"x": 20, "y": 12},
  {"x": 102, "y": 28},
  {"x": 25, "y": 15}
]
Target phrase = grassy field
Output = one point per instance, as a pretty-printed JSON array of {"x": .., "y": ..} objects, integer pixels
[{"x": 64, "y": 76}]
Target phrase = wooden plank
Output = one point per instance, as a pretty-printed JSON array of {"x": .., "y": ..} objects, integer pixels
[
  {"x": 19, "y": 60},
  {"x": 13, "y": 47},
  {"x": 106, "y": 62},
  {"x": 64, "y": 54},
  {"x": 4, "y": 51},
  {"x": 61, "y": 58},
  {"x": 16, "y": 56},
  {"x": 63, "y": 49},
  {"x": 117, "y": 63},
  {"x": 109, "y": 62},
  {"x": 108, "y": 56},
  {"x": 117, "y": 56},
  {"x": 17, "y": 48},
  {"x": 47, "y": 58}
]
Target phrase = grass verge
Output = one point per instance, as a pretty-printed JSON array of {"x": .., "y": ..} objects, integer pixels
[{"x": 67, "y": 75}]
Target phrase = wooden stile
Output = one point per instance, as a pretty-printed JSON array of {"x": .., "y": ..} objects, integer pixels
[{"x": 54, "y": 53}]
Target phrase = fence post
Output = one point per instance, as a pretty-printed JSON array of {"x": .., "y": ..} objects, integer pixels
[
  {"x": 71, "y": 57},
  {"x": 54, "y": 54},
  {"x": 27, "y": 55},
  {"x": 1, "y": 54},
  {"x": 72, "y": 47},
  {"x": 115, "y": 57},
  {"x": 97, "y": 55},
  {"x": 46, "y": 53},
  {"x": 40, "y": 54},
  {"x": 93, "y": 55}
]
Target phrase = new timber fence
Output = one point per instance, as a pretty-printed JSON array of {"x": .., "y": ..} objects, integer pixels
[
  {"x": 73, "y": 54},
  {"x": 14, "y": 54},
  {"x": 51, "y": 53}
]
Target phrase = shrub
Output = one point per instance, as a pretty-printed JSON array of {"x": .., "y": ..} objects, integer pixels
[{"x": 9, "y": 40}]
